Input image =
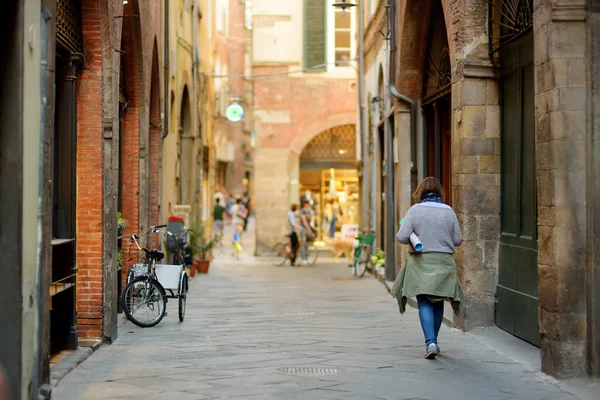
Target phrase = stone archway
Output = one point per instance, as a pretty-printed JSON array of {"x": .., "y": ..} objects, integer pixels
[
  {"x": 154, "y": 142},
  {"x": 328, "y": 178},
  {"x": 319, "y": 126},
  {"x": 130, "y": 104}
]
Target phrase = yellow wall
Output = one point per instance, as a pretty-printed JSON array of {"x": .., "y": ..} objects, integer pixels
[{"x": 181, "y": 76}]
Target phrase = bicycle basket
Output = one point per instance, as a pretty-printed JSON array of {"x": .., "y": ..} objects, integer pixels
[
  {"x": 140, "y": 269},
  {"x": 366, "y": 239}
]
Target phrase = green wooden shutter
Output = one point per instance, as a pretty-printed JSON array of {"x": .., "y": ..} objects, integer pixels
[{"x": 315, "y": 39}]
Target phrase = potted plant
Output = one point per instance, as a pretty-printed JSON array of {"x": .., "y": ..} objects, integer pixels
[
  {"x": 201, "y": 246},
  {"x": 121, "y": 223}
]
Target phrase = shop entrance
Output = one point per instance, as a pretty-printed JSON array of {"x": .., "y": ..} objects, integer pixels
[{"x": 329, "y": 181}]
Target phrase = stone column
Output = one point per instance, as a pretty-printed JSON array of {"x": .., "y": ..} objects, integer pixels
[
  {"x": 272, "y": 196},
  {"x": 403, "y": 186},
  {"x": 560, "y": 89},
  {"x": 476, "y": 189}
]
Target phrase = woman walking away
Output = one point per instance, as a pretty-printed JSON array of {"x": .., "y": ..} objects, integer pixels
[{"x": 430, "y": 274}]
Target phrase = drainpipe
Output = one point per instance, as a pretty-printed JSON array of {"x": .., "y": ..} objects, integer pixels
[
  {"x": 202, "y": 138},
  {"x": 364, "y": 127},
  {"x": 402, "y": 98},
  {"x": 165, "y": 132}
]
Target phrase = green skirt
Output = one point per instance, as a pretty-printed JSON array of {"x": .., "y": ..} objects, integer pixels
[{"x": 430, "y": 274}]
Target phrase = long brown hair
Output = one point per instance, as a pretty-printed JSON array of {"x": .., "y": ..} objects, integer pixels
[{"x": 429, "y": 185}]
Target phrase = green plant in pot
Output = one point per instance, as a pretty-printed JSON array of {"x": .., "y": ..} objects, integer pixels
[
  {"x": 121, "y": 223},
  {"x": 202, "y": 245}
]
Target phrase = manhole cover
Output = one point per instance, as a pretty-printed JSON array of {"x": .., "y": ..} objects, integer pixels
[
  {"x": 298, "y": 314},
  {"x": 309, "y": 371},
  {"x": 345, "y": 278}
]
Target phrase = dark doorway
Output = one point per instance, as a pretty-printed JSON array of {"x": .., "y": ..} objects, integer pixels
[
  {"x": 381, "y": 160},
  {"x": 438, "y": 137},
  {"x": 437, "y": 102}
]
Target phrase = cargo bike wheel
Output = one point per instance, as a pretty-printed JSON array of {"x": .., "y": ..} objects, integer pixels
[{"x": 183, "y": 289}]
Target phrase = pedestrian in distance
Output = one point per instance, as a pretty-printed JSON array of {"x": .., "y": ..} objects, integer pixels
[
  {"x": 236, "y": 241},
  {"x": 228, "y": 205},
  {"x": 306, "y": 231},
  {"x": 430, "y": 274},
  {"x": 238, "y": 213},
  {"x": 218, "y": 213},
  {"x": 246, "y": 204},
  {"x": 293, "y": 228}
]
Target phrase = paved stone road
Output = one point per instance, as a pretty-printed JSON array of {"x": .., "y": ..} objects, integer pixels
[{"x": 248, "y": 321}]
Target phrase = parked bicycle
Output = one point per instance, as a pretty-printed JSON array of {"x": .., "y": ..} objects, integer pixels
[
  {"x": 179, "y": 250},
  {"x": 282, "y": 252},
  {"x": 145, "y": 298},
  {"x": 362, "y": 253}
]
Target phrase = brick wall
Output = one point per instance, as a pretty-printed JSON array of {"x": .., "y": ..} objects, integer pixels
[
  {"x": 89, "y": 177},
  {"x": 97, "y": 149},
  {"x": 130, "y": 168}
]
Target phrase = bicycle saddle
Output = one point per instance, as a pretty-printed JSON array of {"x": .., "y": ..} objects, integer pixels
[{"x": 157, "y": 255}]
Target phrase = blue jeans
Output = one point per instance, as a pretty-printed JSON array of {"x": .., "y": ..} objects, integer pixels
[{"x": 431, "y": 316}]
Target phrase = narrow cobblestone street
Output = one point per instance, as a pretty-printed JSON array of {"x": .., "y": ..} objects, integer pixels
[{"x": 247, "y": 322}]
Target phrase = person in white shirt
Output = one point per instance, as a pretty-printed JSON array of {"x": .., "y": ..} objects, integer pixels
[{"x": 237, "y": 209}]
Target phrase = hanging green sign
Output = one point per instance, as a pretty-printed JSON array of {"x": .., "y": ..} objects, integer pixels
[{"x": 234, "y": 112}]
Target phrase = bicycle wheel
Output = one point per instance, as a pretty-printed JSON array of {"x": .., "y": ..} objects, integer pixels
[
  {"x": 279, "y": 253},
  {"x": 313, "y": 255},
  {"x": 144, "y": 302},
  {"x": 182, "y": 295},
  {"x": 363, "y": 262}
]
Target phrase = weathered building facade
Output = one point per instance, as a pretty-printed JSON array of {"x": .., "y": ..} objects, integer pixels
[
  {"x": 188, "y": 152},
  {"x": 498, "y": 100},
  {"x": 304, "y": 85},
  {"x": 91, "y": 145},
  {"x": 233, "y": 85}
]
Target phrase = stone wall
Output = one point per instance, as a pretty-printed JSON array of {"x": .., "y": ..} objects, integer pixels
[
  {"x": 560, "y": 89},
  {"x": 272, "y": 203}
]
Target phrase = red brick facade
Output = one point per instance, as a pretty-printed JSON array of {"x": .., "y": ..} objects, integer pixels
[
  {"x": 89, "y": 177},
  {"x": 96, "y": 174},
  {"x": 312, "y": 102}
]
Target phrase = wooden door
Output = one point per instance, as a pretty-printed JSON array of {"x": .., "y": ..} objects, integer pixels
[{"x": 517, "y": 291}]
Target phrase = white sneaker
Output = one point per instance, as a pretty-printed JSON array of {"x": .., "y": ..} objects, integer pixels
[{"x": 431, "y": 351}]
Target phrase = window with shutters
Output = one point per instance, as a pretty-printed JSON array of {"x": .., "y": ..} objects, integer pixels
[{"x": 315, "y": 37}]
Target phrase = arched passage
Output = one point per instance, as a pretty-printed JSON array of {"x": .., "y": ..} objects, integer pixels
[
  {"x": 130, "y": 98},
  {"x": 154, "y": 149},
  {"x": 425, "y": 72},
  {"x": 185, "y": 151},
  {"x": 329, "y": 178}
]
